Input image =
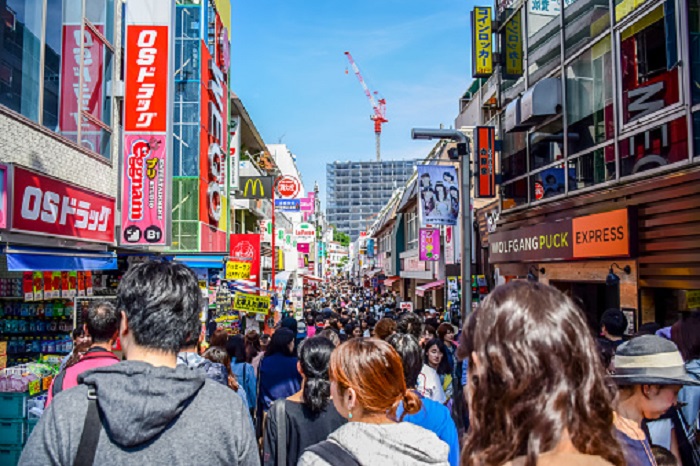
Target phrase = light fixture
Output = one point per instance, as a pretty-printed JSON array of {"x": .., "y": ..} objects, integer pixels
[
  {"x": 612, "y": 279},
  {"x": 534, "y": 277}
]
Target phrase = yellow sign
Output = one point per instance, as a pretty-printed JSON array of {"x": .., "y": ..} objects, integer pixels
[
  {"x": 238, "y": 270},
  {"x": 514, "y": 46},
  {"x": 482, "y": 48},
  {"x": 693, "y": 298},
  {"x": 251, "y": 303}
]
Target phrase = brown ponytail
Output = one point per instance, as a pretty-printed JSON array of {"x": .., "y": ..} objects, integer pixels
[{"x": 411, "y": 403}]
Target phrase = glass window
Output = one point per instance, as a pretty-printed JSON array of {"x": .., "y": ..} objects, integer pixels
[
  {"x": 544, "y": 40},
  {"x": 96, "y": 138},
  {"x": 694, "y": 28},
  {"x": 625, "y": 7},
  {"x": 510, "y": 89},
  {"x": 514, "y": 194},
  {"x": 101, "y": 14},
  {"x": 185, "y": 150},
  {"x": 589, "y": 98},
  {"x": 592, "y": 168},
  {"x": 20, "y": 56},
  {"x": 514, "y": 155},
  {"x": 546, "y": 144},
  {"x": 649, "y": 64},
  {"x": 549, "y": 182},
  {"x": 411, "y": 230},
  {"x": 52, "y": 65},
  {"x": 696, "y": 133},
  {"x": 656, "y": 147},
  {"x": 583, "y": 21}
]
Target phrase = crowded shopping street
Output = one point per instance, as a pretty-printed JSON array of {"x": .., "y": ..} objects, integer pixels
[{"x": 210, "y": 255}]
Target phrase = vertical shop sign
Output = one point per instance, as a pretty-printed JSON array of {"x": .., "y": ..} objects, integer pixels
[
  {"x": 246, "y": 248},
  {"x": 3, "y": 196},
  {"x": 429, "y": 244},
  {"x": 513, "y": 49},
  {"x": 449, "y": 245},
  {"x": 234, "y": 152},
  {"x": 482, "y": 43},
  {"x": 485, "y": 147},
  {"x": 146, "y": 171}
]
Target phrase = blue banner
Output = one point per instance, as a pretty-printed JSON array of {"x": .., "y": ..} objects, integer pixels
[
  {"x": 438, "y": 195},
  {"x": 288, "y": 205}
]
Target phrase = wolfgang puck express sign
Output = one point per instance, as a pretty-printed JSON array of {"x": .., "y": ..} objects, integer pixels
[{"x": 599, "y": 235}]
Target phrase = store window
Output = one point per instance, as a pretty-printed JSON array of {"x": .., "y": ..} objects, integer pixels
[
  {"x": 544, "y": 38},
  {"x": 589, "y": 98},
  {"x": 411, "y": 230},
  {"x": 662, "y": 145},
  {"x": 20, "y": 56},
  {"x": 549, "y": 182},
  {"x": 696, "y": 134},
  {"x": 625, "y": 7},
  {"x": 649, "y": 64},
  {"x": 584, "y": 20},
  {"x": 514, "y": 155},
  {"x": 546, "y": 143},
  {"x": 694, "y": 28},
  {"x": 52, "y": 65},
  {"x": 514, "y": 194},
  {"x": 591, "y": 169}
]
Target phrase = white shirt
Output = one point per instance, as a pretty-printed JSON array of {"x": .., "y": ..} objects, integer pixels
[{"x": 429, "y": 384}]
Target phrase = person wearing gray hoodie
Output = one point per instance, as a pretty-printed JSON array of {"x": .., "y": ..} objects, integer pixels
[
  {"x": 367, "y": 387},
  {"x": 147, "y": 410}
]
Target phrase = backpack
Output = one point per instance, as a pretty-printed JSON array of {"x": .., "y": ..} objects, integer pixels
[{"x": 94, "y": 353}]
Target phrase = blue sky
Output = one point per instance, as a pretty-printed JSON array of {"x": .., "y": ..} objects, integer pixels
[{"x": 288, "y": 67}]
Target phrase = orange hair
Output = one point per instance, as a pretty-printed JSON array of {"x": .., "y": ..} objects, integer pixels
[{"x": 373, "y": 369}]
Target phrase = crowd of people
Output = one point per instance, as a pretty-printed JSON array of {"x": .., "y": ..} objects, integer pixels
[{"x": 359, "y": 381}]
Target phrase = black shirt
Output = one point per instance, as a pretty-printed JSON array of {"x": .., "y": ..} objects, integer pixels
[{"x": 303, "y": 430}]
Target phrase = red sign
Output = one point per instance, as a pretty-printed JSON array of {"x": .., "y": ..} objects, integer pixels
[
  {"x": 91, "y": 93},
  {"x": 288, "y": 186},
  {"x": 539, "y": 190},
  {"x": 146, "y": 92},
  {"x": 246, "y": 248},
  {"x": 47, "y": 206},
  {"x": 485, "y": 147}
]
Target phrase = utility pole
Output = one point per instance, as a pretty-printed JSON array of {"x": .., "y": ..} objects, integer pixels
[{"x": 466, "y": 175}]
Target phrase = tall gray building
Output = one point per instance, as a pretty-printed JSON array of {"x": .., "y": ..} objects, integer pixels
[{"x": 357, "y": 191}]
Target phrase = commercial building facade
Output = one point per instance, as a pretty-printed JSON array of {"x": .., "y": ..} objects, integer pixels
[
  {"x": 600, "y": 134},
  {"x": 357, "y": 191}
]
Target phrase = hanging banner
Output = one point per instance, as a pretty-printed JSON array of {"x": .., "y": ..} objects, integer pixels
[
  {"x": 513, "y": 44},
  {"x": 238, "y": 270},
  {"x": 146, "y": 167},
  {"x": 485, "y": 142},
  {"x": 256, "y": 187},
  {"x": 482, "y": 43},
  {"x": 449, "y": 245},
  {"x": 429, "y": 244},
  {"x": 307, "y": 203},
  {"x": 234, "y": 152},
  {"x": 266, "y": 231},
  {"x": 251, "y": 303},
  {"x": 246, "y": 248},
  {"x": 438, "y": 190}
]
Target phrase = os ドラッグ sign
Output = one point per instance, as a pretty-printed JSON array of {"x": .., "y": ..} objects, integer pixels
[{"x": 591, "y": 236}]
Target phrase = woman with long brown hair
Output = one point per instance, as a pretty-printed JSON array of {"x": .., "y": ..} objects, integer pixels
[
  {"x": 537, "y": 392},
  {"x": 367, "y": 387}
]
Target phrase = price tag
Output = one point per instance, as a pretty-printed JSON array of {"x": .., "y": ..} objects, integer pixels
[{"x": 34, "y": 387}]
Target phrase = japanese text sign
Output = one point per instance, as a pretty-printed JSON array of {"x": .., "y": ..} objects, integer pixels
[
  {"x": 251, "y": 303},
  {"x": 482, "y": 42},
  {"x": 429, "y": 244},
  {"x": 238, "y": 270},
  {"x": 288, "y": 205},
  {"x": 246, "y": 248},
  {"x": 485, "y": 146},
  {"x": 45, "y": 205},
  {"x": 144, "y": 190},
  {"x": 513, "y": 46}
]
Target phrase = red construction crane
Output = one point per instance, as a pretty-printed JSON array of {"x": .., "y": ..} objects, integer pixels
[{"x": 378, "y": 104}]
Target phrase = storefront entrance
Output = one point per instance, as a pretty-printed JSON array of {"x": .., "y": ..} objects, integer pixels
[{"x": 589, "y": 296}]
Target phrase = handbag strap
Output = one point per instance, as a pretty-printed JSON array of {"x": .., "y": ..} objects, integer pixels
[
  {"x": 91, "y": 432},
  {"x": 281, "y": 417},
  {"x": 334, "y": 454}
]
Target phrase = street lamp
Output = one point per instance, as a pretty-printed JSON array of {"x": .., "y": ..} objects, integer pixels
[{"x": 465, "y": 168}]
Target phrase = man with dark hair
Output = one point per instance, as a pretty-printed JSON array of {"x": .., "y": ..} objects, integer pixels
[
  {"x": 613, "y": 324},
  {"x": 410, "y": 324},
  {"x": 102, "y": 325},
  {"x": 433, "y": 416},
  {"x": 148, "y": 410}
]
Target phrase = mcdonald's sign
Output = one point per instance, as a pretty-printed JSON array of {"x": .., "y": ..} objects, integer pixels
[{"x": 256, "y": 187}]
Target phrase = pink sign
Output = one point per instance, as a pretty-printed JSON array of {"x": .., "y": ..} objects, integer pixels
[
  {"x": 429, "y": 244},
  {"x": 307, "y": 204},
  {"x": 303, "y": 248},
  {"x": 3, "y": 196},
  {"x": 145, "y": 190}
]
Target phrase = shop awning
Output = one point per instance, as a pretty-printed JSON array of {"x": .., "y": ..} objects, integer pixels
[
  {"x": 391, "y": 280},
  {"x": 25, "y": 259},
  {"x": 421, "y": 290},
  {"x": 201, "y": 262},
  {"x": 373, "y": 272},
  {"x": 312, "y": 277}
]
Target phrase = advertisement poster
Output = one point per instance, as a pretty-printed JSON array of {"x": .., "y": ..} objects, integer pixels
[
  {"x": 449, "y": 245},
  {"x": 251, "y": 303},
  {"x": 429, "y": 244},
  {"x": 246, "y": 248},
  {"x": 238, "y": 270},
  {"x": 438, "y": 192},
  {"x": 145, "y": 190}
]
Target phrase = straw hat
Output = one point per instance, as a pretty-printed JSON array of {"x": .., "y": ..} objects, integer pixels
[{"x": 650, "y": 360}]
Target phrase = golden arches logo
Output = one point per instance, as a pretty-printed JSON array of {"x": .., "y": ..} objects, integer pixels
[{"x": 257, "y": 184}]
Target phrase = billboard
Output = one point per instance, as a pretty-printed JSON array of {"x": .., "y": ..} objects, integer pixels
[
  {"x": 146, "y": 166},
  {"x": 438, "y": 191},
  {"x": 246, "y": 248}
]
